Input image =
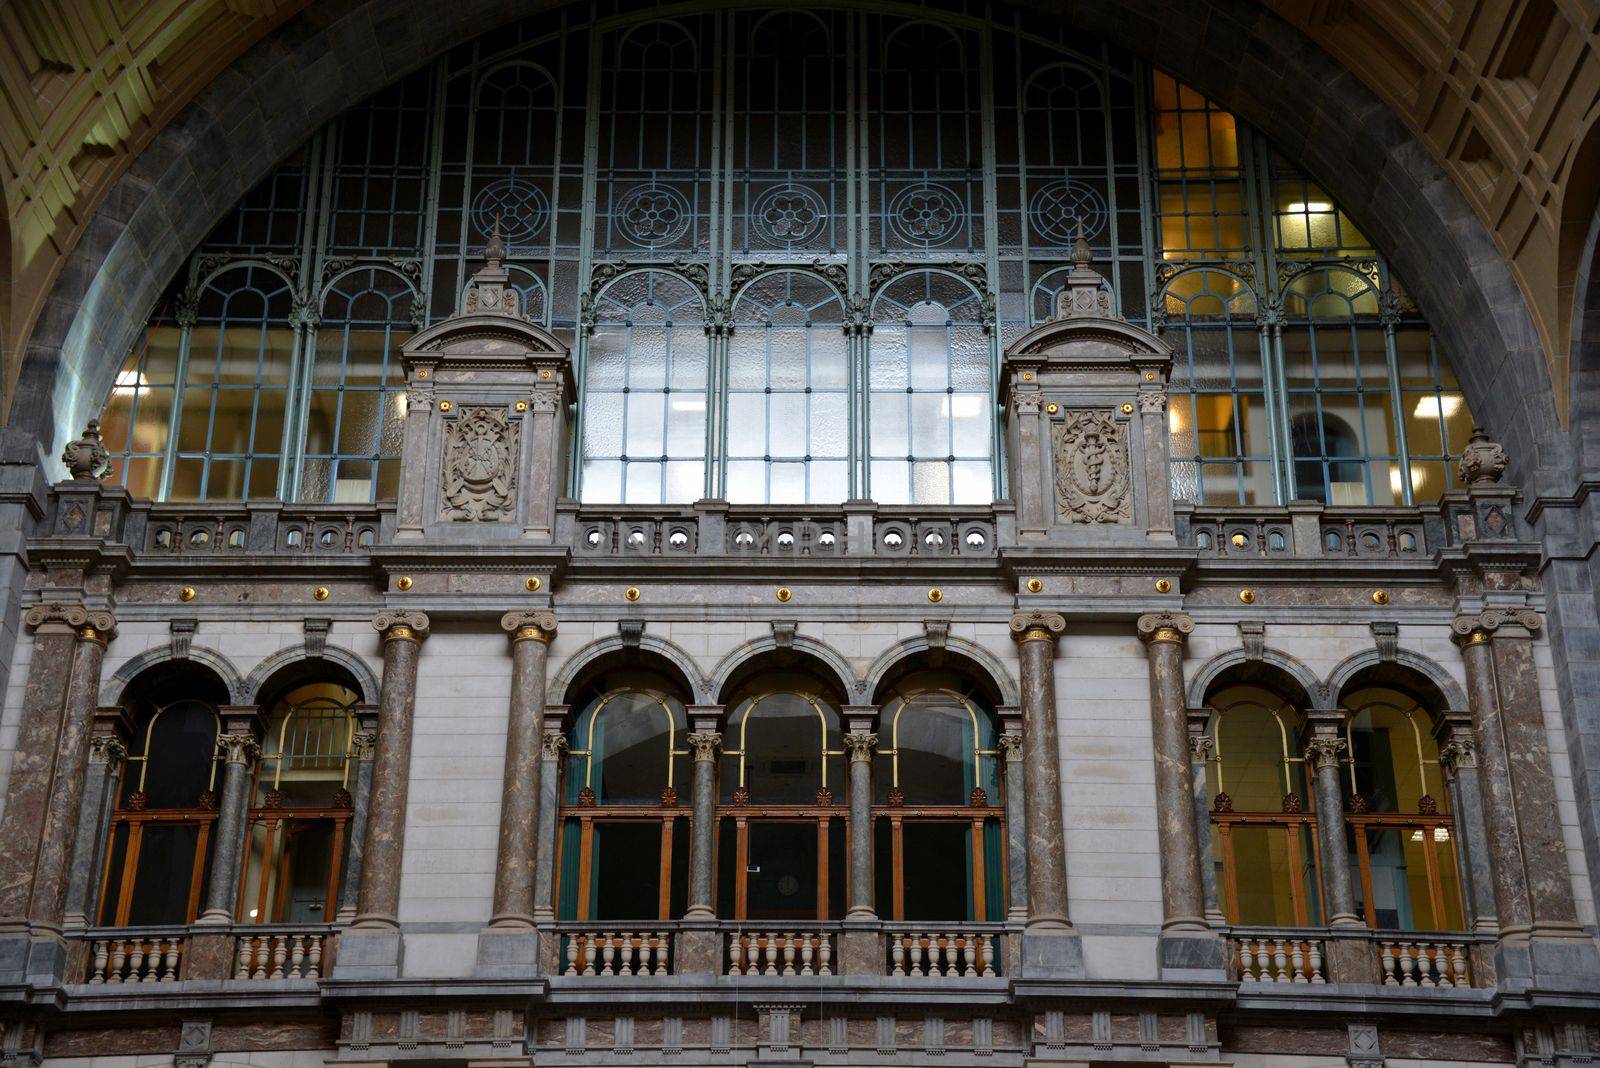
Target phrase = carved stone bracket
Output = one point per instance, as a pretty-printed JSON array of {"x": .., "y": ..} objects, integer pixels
[
  {"x": 1253, "y": 637},
  {"x": 316, "y": 631},
  {"x": 1386, "y": 636}
]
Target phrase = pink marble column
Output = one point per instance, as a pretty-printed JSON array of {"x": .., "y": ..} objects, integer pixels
[
  {"x": 531, "y": 633},
  {"x": 1182, "y": 892},
  {"x": 1036, "y": 634}
]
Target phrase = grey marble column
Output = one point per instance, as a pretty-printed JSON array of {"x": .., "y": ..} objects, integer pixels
[
  {"x": 1016, "y": 820},
  {"x": 551, "y": 748},
  {"x": 363, "y": 747},
  {"x": 531, "y": 633},
  {"x": 1324, "y": 749},
  {"x": 108, "y": 746},
  {"x": 53, "y": 869},
  {"x": 1036, "y": 634},
  {"x": 1182, "y": 895},
  {"x": 859, "y": 745},
  {"x": 55, "y": 632},
  {"x": 1202, "y": 747},
  {"x": 378, "y": 904},
  {"x": 1458, "y": 761},
  {"x": 240, "y": 744},
  {"x": 704, "y": 744}
]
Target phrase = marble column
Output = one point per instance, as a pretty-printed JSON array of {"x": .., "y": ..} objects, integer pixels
[
  {"x": 860, "y": 744},
  {"x": 52, "y": 872},
  {"x": 1016, "y": 817},
  {"x": 108, "y": 747},
  {"x": 363, "y": 747},
  {"x": 1458, "y": 762},
  {"x": 531, "y": 633},
  {"x": 1202, "y": 747},
  {"x": 1539, "y": 932},
  {"x": 551, "y": 748},
  {"x": 1324, "y": 756},
  {"x": 704, "y": 744},
  {"x": 1182, "y": 898},
  {"x": 240, "y": 745},
  {"x": 55, "y": 633},
  {"x": 403, "y": 633},
  {"x": 1050, "y": 946}
]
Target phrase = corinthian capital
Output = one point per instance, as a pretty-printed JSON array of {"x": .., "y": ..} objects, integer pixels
[
  {"x": 704, "y": 744},
  {"x": 363, "y": 744},
  {"x": 106, "y": 749},
  {"x": 1323, "y": 751},
  {"x": 1037, "y": 626},
  {"x": 537, "y": 624},
  {"x": 1165, "y": 627},
  {"x": 401, "y": 624},
  {"x": 860, "y": 746},
  {"x": 238, "y": 748},
  {"x": 1011, "y": 746},
  {"x": 1458, "y": 753}
]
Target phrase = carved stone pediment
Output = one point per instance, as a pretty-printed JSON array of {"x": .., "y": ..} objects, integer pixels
[{"x": 1091, "y": 469}]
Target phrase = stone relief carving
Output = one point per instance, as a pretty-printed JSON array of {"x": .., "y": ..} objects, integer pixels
[
  {"x": 1092, "y": 469},
  {"x": 480, "y": 456}
]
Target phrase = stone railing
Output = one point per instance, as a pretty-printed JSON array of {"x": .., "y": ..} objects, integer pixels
[
  {"x": 616, "y": 953},
  {"x": 135, "y": 957},
  {"x": 1427, "y": 961},
  {"x": 281, "y": 954},
  {"x": 790, "y": 531},
  {"x": 1279, "y": 957},
  {"x": 780, "y": 953},
  {"x": 254, "y": 527},
  {"x": 1307, "y": 529},
  {"x": 965, "y": 952}
]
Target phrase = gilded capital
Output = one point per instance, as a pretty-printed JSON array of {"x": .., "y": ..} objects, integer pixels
[
  {"x": 860, "y": 746},
  {"x": 1174, "y": 627},
  {"x": 401, "y": 624},
  {"x": 704, "y": 744},
  {"x": 537, "y": 624},
  {"x": 238, "y": 748},
  {"x": 1324, "y": 751},
  {"x": 1037, "y": 626}
]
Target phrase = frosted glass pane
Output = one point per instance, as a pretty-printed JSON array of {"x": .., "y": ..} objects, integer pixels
[
  {"x": 647, "y": 363},
  {"x": 930, "y": 427},
  {"x": 830, "y": 482},
  {"x": 788, "y": 428},
  {"x": 747, "y": 481},
  {"x": 972, "y": 483},
  {"x": 602, "y": 481},
  {"x": 891, "y": 481},
  {"x": 686, "y": 481},
  {"x": 969, "y": 359},
  {"x": 887, "y": 360},
  {"x": 829, "y": 425},
  {"x": 643, "y": 484},
  {"x": 689, "y": 357},
  {"x": 686, "y": 425},
  {"x": 930, "y": 483},
  {"x": 607, "y": 365},
  {"x": 889, "y": 429},
  {"x": 969, "y": 419},
  {"x": 788, "y": 358},
  {"x": 930, "y": 358},
  {"x": 829, "y": 362},
  {"x": 644, "y": 433},
  {"x": 788, "y": 484},
  {"x": 602, "y": 425},
  {"x": 747, "y": 359},
  {"x": 747, "y": 424}
]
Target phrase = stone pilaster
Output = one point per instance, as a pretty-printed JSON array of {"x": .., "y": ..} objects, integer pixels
[
  {"x": 1187, "y": 944},
  {"x": 240, "y": 745},
  {"x": 363, "y": 748},
  {"x": 1050, "y": 946},
  {"x": 1011, "y": 744},
  {"x": 1539, "y": 932},
  {"x": 108, "y": 747},
  {"x": 372, "y": 948}
]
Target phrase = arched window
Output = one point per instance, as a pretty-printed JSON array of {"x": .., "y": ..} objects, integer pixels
[
  {"x": 625, "y": 801},
  {"x": 1265, "y": 844},
  {"x": 166, "y": 810},
  {"x": 1398, "y": 812},
  {"x": 300, "y": 811},
  {"x": 788, "y": 426},
  {"x": 644, "y": 409},
  {"x": 783, "y": 815},
  {"x": 938, "y": 798},
  {"x": 929, "y": 369}
]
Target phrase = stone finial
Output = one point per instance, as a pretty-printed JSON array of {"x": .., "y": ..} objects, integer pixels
[
  {"x": 1482, "y": 461},
  {"x": 86, "y": 458},
  {"x": 1084, "y": 296},
  {"x": 489, "y": 291}
]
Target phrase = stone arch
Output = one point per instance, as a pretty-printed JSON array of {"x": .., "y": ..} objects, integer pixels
[
  {"x": 820, "y": 653},
  {"x": 364, "y": 676},
  {"x": 976, "y": 655},
  {"x": 1429, "y": 670},
  {"x": 112, "y": 689},
  {"x": 1248, "y": 59},
  {"x": 1202, "y": 680},
  {"x": 662, "y": 653}
]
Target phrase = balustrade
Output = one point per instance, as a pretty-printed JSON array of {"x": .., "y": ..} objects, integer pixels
[
  {"x": 280, "y": 956},
  {"x": 1268, "y": 959},
  {"x": 780, "y": 953},
  {"x": 950, "y": 953},
  {"x": 1423, "y": 963},
  {"x": 136, "y": 959},
  {"x": 624, "y": 953}
]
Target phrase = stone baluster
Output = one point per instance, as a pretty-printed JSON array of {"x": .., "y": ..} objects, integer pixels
[
  {"x": 509, "y": 946},
  {"x": 28, "y": 787},
  {"x": 240, "y": 745},
  {"x": 1458, "y": 761},
  {"x": 1016, "y": 815},
  {"x": 1539, "y": 932},
  {"x": 363, "y": 748},
  {"x": 1202, "y": 747},
  {"x": 1187, "y": 943},
  {"x": 1050, "y": 946},
  {"x": 372, "y": 947}
]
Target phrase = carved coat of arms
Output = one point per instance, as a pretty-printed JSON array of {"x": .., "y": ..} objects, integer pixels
[
  {"x": 480, "y": 460},
  {"x": 1092, "y": 469}
]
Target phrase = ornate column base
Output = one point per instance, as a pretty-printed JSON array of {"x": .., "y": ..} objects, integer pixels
[
  {"x": 1191, "y": 954},
  {"x": 372, "y": 952},
  {"x": 507, "y": 952},
  {"x": 1052, "y": 954}
]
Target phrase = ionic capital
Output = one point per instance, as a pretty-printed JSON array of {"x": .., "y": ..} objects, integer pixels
[
  {"x": 1011, "y": 746},
  {"x": 1323, "y": 751},
  {"x": 553, "y": 745},
  {"x": 1165, "y": 627},
  {"x": 1037, "y": 626},
  {"x": 1474, "y": 629},
  {"x": 106, "y": 749},
  {"x": 1201, "y": 747},
  {"x": 60, "y": 617},
  {"x": 537, "y": 624},
  {"x": 363, "y": 744},
  {"x": 401, "y": 624},
  {"x": 704, "y": 744},
  {"x": 860, "y": 747},
  {"x": 1458, "y": 753}
]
